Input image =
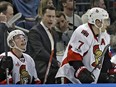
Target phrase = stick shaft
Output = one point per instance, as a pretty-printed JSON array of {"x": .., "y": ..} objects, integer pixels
[
  {"x": 102, "y": 58},
  {"x": 13, "y": 19},
  {"x": 48, "y": 68}
]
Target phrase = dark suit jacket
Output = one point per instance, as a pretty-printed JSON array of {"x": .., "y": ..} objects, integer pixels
[
  {"x": 40, "y": 50},
  {"x": 3, "y": 30}
]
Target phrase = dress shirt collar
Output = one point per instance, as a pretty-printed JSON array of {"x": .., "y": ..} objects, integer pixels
[{"x": 44, "y": 26}]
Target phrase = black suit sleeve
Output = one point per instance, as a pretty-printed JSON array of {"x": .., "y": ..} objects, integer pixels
[{"x": 40, "y": 50}]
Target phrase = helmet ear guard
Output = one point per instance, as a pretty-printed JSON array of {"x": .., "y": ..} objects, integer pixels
[
  {"x": 11, "y": 43},
  {"x": 97, "y": 13}
]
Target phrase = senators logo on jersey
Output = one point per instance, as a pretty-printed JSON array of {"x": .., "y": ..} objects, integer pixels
[
  {"x": 97, "y": 54},
  {"x": 24, "y": 75}
]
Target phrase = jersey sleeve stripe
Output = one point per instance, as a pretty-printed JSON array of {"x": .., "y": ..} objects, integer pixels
[{"x": 72, "y": 56}]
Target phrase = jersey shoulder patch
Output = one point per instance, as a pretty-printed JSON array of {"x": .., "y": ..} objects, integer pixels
[{"x": 85, "y": 33}]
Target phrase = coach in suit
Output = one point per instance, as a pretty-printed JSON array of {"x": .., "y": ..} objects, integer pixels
[
  {"x": 42, "y": 42},
  {"x": 6, "y": 13}
]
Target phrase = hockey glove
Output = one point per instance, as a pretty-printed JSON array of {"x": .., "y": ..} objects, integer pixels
[
  {"x": 36, "y": 81},
  {"x": 112, "y": 79},
  {"x": 112, "y": 76},
  {"x": 6, "y": 62},
  {"x": 84, "y": 75},
  {"x": 103, "y": 78}
]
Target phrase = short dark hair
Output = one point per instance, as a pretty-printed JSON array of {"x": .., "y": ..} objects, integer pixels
[
  {"x": 59, "y": 14},
  {"x": 4, "y": 5},
  {"x": 47, "y": 7}
]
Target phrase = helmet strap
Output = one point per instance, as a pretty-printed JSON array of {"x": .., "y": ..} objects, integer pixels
[
  {"x": 15, "y": 46},
  {"x": 99, "y": 28}
]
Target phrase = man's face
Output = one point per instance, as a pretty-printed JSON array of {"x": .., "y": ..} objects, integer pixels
[
  {"x": 69, "y": 4},
  {"x": 49, "y": 18},
  {"x": 20, "y": 41},
  {"x": 9, "y": 12},
  {"x": 106, "y": 23},
  {"x": 62, "y": 23},
  {"x": 102, "y": 4},
  {"x": 103, "y": 24}
]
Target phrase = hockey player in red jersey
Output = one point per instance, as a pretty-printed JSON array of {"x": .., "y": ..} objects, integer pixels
[
  {"x": 86, "y": 60},
  {"x": 21, "y": 66}
]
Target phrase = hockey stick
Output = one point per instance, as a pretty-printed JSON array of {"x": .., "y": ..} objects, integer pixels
[
  {"x": 13, "y": 19},
  {"x": 23, "y": 29},
  {"x": 48, "y": 68},
  {"x": 101, "y": 58}
]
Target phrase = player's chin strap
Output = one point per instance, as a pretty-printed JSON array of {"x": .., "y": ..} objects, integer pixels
[
  {"x": 22, "y": 50},
  {"x": 15, "y": 46},
  {"x": 99, "y": 39}
]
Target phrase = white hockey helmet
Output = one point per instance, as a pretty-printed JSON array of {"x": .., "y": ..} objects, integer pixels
[
  {"x": 97, "y": 13},
  {"x": 10, "y": 37}
]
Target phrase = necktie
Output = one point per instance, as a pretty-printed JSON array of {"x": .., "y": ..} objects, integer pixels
[
  {"x": 50, "y": 31},
  {"x": 50, "y": 35}
]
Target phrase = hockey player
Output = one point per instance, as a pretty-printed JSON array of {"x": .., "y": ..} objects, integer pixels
[
  {"x": 21, "y": 66},
  {"x": 85, "y": 49}
]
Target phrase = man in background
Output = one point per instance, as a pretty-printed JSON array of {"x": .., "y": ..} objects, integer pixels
[
  {"x": 73, "y": 19},
  {"x": 6, "y": 11},
  {"x": 93, "y": 3}
]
